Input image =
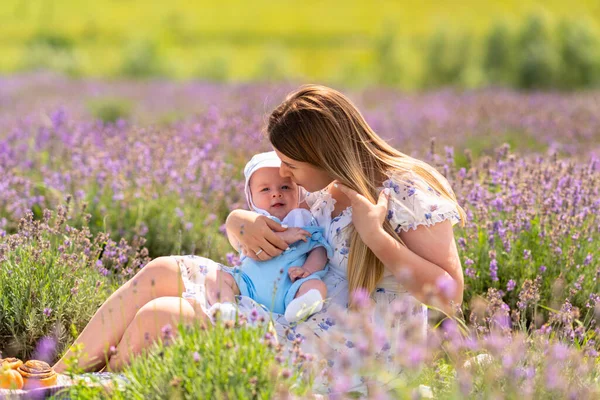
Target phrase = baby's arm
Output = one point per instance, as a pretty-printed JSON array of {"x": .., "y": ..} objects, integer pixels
[{"x": 316, "y": 261}]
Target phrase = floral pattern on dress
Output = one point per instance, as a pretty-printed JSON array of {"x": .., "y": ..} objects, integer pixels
[{"x": 413, "y": 202}]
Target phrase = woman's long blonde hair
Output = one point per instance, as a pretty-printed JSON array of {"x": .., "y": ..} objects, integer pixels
[{"x": 320, "y": 126}]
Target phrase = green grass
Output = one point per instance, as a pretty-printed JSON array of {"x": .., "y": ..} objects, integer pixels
[{"x": 224, "y": 362}]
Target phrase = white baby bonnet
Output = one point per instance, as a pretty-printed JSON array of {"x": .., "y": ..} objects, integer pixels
[{"x": 264, "y": 160}]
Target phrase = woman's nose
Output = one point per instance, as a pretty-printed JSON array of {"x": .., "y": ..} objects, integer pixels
[{"x": 283, "y": 172}]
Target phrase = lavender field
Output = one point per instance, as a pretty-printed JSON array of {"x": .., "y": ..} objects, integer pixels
[{"x": 97, "y": 178}]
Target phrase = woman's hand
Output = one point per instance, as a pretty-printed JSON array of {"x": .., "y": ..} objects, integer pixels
[
  {"x": 255, "y": 234},
  {"x": 367, "y": 217}
]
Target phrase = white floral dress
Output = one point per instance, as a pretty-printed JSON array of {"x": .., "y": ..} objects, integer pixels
[{"x": 412, "y": 203}]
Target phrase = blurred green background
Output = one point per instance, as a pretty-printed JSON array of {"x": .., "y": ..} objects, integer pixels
[{"x": 406, "y": 44}]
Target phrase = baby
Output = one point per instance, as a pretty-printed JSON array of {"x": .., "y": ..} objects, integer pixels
[{"x": 290, "y": 283}]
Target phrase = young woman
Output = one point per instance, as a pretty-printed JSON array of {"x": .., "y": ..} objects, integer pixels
[{"x": 387, "y": 216}]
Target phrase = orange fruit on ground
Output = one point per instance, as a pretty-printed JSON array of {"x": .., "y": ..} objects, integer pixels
[
  {"x": 11, "y": 379},
  {"x": 12, "y": 362}
]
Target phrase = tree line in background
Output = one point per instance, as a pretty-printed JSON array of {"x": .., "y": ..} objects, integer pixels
[{"x": 534, "y": 54}]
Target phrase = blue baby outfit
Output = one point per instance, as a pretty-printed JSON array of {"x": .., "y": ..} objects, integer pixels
[{"x": 268, "y": 283}]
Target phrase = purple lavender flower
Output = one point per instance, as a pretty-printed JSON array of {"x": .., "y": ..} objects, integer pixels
[
  {"x": 361, "y": 298},
  {"x": 446, "y": 286},
  {"x": 470, "y": 272},
  {"x": 253, "y": 315},
  {"x": 45, "y": 349},
  {"x": 510, "y": 285},
  {"x": 167, "y": 332},
  {"x": 494, "y": 270}
]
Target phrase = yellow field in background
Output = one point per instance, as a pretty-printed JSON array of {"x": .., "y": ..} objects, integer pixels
[{"x": 241, "y": 40}]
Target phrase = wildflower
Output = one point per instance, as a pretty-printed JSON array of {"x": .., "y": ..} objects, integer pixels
[
  {"x": 342, "y": 384},
  {"x": 45, "y": 349},
  {"x": 510, "y": 285},
  {"x": 232, "y": 259},
  {"x": 47, "y": 311},
  {"x": 253, "y": 315},
  {"x": 361, "y": 298},
  {"x": 167, "y": 332},
  {"x": 415, "y": 357},
  {"x": 542, "y": 268},
  {"x": 446, "y": 286},
  {"x": 530, "y": 293},
  {"x": 494, "y": 270},
  {"x": 560, "y": 351}
]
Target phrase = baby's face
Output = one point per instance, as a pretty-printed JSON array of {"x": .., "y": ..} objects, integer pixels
[{"x": 272, "y": 193}]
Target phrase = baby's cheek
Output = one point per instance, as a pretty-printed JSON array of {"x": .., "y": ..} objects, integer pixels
[{"x": 261, "y": 201}]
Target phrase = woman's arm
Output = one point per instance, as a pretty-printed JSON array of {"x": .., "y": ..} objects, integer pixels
[
  {"x": 253, "y": 232},
  {"x": 428, "y": 264}
]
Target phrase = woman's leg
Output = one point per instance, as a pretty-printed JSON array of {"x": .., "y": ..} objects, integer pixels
[
  {"x": 159, "y": 278},
  {"x": 147, "y": 325},
  {"x": 220, "y": 287}
]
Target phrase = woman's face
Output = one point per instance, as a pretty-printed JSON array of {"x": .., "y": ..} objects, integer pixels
[{"x": 306, "y": 175}]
